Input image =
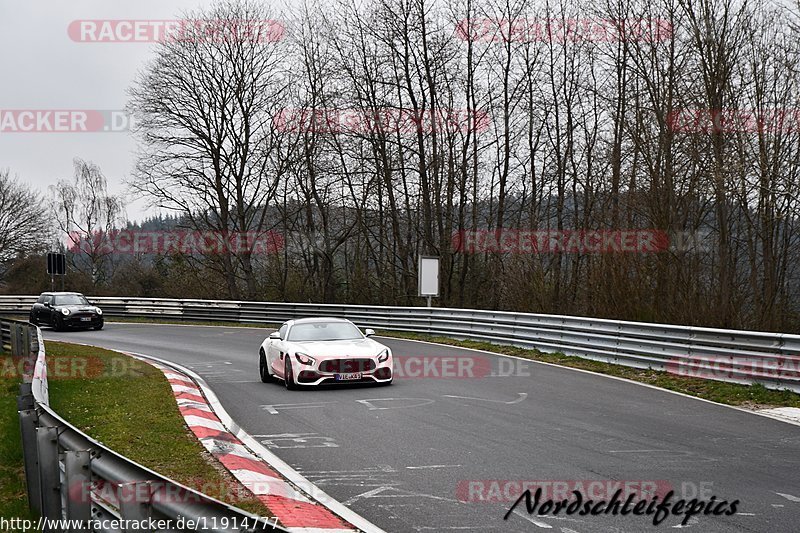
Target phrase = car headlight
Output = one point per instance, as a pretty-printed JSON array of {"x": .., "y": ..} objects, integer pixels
[
  {"x": 65, "y": 311},
  {"x": 98, "y": 310},
  {"x": 304, "y": 359},
  {"x": 383, "y": 356}
]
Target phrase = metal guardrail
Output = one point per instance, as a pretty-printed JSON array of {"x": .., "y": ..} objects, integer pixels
[
  {"x": 771, "y": 359},
  {"x": 5, "y": 337},
  {"x": 71, "y": 476}
]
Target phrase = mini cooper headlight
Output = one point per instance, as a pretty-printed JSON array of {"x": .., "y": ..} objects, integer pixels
[
  {"x": 304, "y": 359},
  {"x": 65, "y": 311},
  {"x": 98, "y": 310},
  {"x": 383, "y": 356}
]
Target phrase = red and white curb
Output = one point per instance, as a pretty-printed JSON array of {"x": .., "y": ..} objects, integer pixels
[{"x": 298, "y": 504}]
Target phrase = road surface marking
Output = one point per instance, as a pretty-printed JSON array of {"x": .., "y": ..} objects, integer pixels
[
  {"x": 637, "y": 451},
  {"x": 396, "y": 493},
  {"x": 431, "y": 466},
  {"x": 522, "y": 396},
  {"x": 301, "y": 440},
  {"x": 372, "y": 407},
  {"x": 538, "y": 523},
  {"x": 273, "y": 408}
]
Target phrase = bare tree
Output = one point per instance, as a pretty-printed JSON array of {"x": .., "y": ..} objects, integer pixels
[
  {"x": 23, "y": 219},
  {"x": 204, "y": 107},
  {"x": 87, "y": 216}
]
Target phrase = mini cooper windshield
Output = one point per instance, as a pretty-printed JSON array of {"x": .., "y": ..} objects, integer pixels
[{"x": 70, "y": 299}]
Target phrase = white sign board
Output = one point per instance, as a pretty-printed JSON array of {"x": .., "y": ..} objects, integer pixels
[{"x": 428, "y": 281}]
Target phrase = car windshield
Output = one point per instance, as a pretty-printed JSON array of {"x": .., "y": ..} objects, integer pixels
[
  {"x": 70, "y": 299},
  {"x": 324, "y": 331}
]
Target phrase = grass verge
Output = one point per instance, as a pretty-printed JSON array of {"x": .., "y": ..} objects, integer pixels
[
  {"x": 128, "y": 405},
  {"x": 747, "y": 396},
  {"x": 13, "y": 495}
]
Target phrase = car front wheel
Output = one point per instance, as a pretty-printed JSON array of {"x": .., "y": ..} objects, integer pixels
[
  {"x": 288, "y": 377},
  {"x": 262, "y": 367}
]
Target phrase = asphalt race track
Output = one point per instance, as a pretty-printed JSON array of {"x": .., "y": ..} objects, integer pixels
[{"x": 403, "y": 456}]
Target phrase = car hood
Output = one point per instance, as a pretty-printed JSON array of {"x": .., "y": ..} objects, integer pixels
[{"x": 339, "y": 349}]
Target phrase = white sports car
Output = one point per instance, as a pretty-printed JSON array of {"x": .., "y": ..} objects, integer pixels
[{"x": 311, "y": 351}]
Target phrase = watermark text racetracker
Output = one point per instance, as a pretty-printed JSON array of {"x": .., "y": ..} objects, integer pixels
[
  {"x": 508, "y": 490},
  {"x": 725, "y": 367},
  {"x": 154, "y": 31},
  {"x": 64, "y": 121},
  {"x": 530, "y": 30},
  {"x": 71, "y": 367},
  {"x": 213, "y": 523},
  {"x": 175, "y": 242},
  {"x": 577, "y": 241},
  {"x": 721, "y": 121},
  {"x": 119, "y": 492},
  {"x": 458, "y": 367}
]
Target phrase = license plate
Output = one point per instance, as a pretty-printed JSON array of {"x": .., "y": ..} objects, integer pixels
[
  {"x": 348, "y": 376},
  {"x": 86, "y": 319}
]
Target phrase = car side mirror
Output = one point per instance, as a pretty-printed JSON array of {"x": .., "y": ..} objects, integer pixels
[
  {"x": 369, "y": 332},
  {"x": 275, "y": 336},
  {"x": 47, "y": 304}
]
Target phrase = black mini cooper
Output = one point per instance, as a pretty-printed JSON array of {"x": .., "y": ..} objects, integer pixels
[{"x": 63, "y": 310}]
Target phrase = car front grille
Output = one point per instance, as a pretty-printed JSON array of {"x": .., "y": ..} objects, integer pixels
[
  {"x": 77, "y": 317},
  {"x": 341, "y": 366}
]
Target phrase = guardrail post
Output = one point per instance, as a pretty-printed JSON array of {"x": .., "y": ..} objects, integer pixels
[
  {"x": 26, "y": 341},
  {"x": 27, "y": 353},
  {"x": 33, "y": 340},
  {"x": 25, "y": 399},
  {"x": 28, "y": 420},
  {"x": 134, "y": 504},
  {"x": 12, "y": 337},
  {"x": 16, "y": 340},
  {"x": 49, "y": 471},
  {"x": 78, "y": 479}
]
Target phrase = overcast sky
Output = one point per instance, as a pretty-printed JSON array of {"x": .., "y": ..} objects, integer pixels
[{"x": 42, "y": 68}]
